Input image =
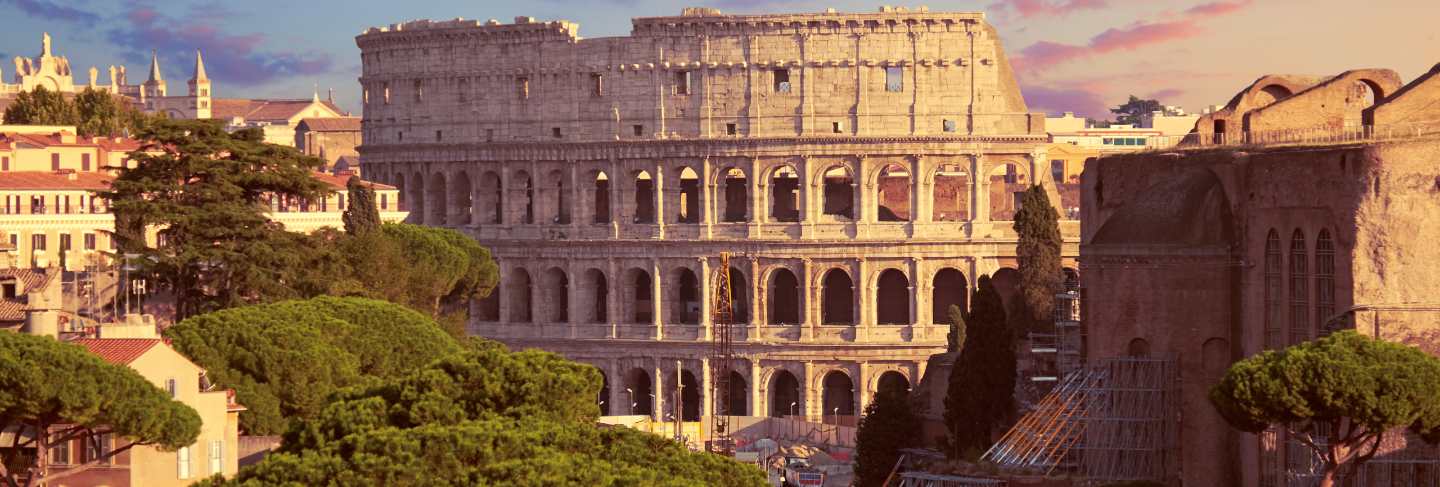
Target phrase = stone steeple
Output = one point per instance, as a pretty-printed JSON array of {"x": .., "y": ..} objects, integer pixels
[
  {"x": 200, "y": 89},
  {"x": 199, "y": 68},
  {"x": 155, "y": 86},
  {"x": 155, "y": 67}
]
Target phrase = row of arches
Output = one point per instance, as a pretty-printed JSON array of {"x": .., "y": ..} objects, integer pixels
[
  {"x": 630, "y": 298},
  {"x": 1299, "y": 286},
  {"x": 552, "y": 198},
  {"x": 785, "y": 395}
]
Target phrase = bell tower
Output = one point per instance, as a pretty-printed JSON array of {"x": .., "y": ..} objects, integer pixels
[
  {"x": 155, "y": 86},
  {"x": 200, "y": 89}
]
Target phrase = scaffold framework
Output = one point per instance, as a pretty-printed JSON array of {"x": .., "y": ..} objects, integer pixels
[{"x": 721, "y": 356}]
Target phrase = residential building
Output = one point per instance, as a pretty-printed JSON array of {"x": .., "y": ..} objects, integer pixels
[
  {"x": 1157, "y": 130},
  {"x": 330, "y": 139}
]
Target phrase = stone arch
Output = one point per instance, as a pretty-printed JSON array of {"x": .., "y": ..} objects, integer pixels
[
  {"x": 837, "y": 298},
  {"x": 784, "y": 298},
  {"x": 892, "y": 193},
  {"x": 734, "y": 200},
  {"x": 595, "y": 296},
  {"x": 685, "y": 299},
  {"x": 600, "y": 194},
  {"x": 638, "y": 291},
  {"x": 739, "y": 393},
  {"x": 437, "y": 205},
  {"x": 1362, "y": 94},
  {"x": 1007, "y": 283},
  {"x": 785, "y": 395},
  {"x": 417, "y": 198},
  {"x": 644, "y": 186},
  {"x": 1138, "y": 347},
  {"x": 949, "y": 288},
  {"x": 558, "y": 198},
  {"x": 689, "y": 396},
  {"x": 951, "y": 193},
  {"x": 838, "y": 192},
  {"x": 687, "y": 210},
  {"x": 525, "y": 189},
  {"x": 555, "y": 288},
  {"x": 837, "y": 396},
  {"x": 1271, "y": 93},
  {"x": 892, "y": 382},
  {"x": 639, "y": 392},
  {"x": 784, "y": 184},
  {"x": 892, "y": 298},
  {"x": 492, "y": 198},
  {"x": 460, "y": 199},
  {"x": 740, "y": 296},
  {"x": 519, "y": 289},
  {"x": 487, "y": 309},
  {"x": 1007, "y": 182}
]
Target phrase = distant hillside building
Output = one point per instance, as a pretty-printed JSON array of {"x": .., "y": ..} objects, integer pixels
[{"x": 1157, "y": 130}]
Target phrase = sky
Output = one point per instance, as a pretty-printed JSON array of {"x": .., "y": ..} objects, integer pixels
[{"x": 1070, "y": 55}]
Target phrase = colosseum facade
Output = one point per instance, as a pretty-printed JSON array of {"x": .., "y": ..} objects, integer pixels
[{"x": 832, "y": 155}]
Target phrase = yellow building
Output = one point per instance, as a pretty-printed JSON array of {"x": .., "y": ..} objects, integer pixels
[{"x": 1066, "y": 162}]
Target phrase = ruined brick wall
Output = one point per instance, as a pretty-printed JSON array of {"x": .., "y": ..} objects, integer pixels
[{"x": 1334, "y": 103}]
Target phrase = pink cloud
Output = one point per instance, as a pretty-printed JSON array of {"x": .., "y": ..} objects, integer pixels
[
  {"x": 1084, "y": 102},
  {"x": 1143, "y": 34},
  {"x": 1046, "y": 54},
  {"x": 1047, "y": 8},
  {"x": 1166, "y": 94},
  {"x": 1214, "y": 9}
]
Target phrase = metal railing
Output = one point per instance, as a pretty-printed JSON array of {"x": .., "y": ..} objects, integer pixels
[{"x": 1299, "y": 136}]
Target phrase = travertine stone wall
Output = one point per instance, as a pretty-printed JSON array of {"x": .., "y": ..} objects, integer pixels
[{"x": 608, "y": 175}]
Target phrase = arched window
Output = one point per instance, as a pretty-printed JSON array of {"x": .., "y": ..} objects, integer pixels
[
  {"x": 837, "y": 305},
  {"x": 1138, "y": 347},
  {"x": 785, "y": 195},
  {"x": 735, "y": 203},
  {"x": 949, "y": 289},
  {"x": 893, "y": 298},
  {"x": 892, "y": 382},
  {"x": 951, "y": 194},
  {"x": 686, "y": 308},
  {"x": 641, "y": 309},
  {"x": 784, "y": 298},
  {"x": 689, "y": 396},
  {"x": 460, "y": 197},
  {"x": 602, "y": 198},
  {"x": 644, "y": 198},
  {"x": 438, "y": 195},
  {"x": 893, "y": 198},
  {"x": 785, "y": 395},
  {"x": 519, "y": 291},
  {"x": 839, "y": 198},
  {"x": 557, "y": 295},
  {"x": 417, "y": 198},
  {"x": 1299, "y": 289},
  {"x": 527, "y": 197},
  {"x": 838, "y": 397},
  {"x": 1273, "y": 314},
  {"x": 492, "y": 197},
  {"x": 739, "y": 296},
  {"x": 1324, "y": 278},
  {"x": 639, "y": 393},
  {"x": 739, "y": 391},
  {"x": 688, "y": 210},
  {"x": 596, "y": 291},
  {"x": 559, "y": 198}
]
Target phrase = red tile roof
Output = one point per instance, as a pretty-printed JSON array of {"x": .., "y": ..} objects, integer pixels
[
  {"x": 87, "y": 181},
  {"x": 337, "y": 181},
  {"x": 332, "y": 124},
  {"x": 31, "y": 278},
  {"x": 120, "y": 351},
  {"x": 262, "y": 110},
  {"x": 53, "y": 140},
  {"x": 11, "y": 311}
]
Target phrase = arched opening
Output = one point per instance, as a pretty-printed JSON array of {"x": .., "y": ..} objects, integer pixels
[
  {"x": 689, "y": 397},
  {"x": 951, "y": 199},
  {"x": 784, "y": 298},
  {"x": 837, "y": 298},
  {"x": 735, "y": 203},
  {"x": 487, "y": 309},
  {"x": 437, "y": 206},
  {"x": 739, "y": 296},
  {"x": 559, "y": 198},
  {"x": 1324, "y": 279},
  {"x": 785, "y": 395},
  {"x": 557, "y": 295},
  {"x": 460, "y": 197},
  {"x": 1274, "y": 309},
  {"x": 526, "y": 189},
  {"x": 785, "y": 195},
  {"x": 402, "y": 198},
  {"x": 417, "y": 199},
  {"x": 602, "y": 198},
  {"x": 893, "y": 383},
  {"x": 492, "y": 198},
  {"x": 689, "y": 208},
  {"x": 1271, "y": 94},
  {"x": 1070, "y": 278},
  {"x": 739, "y": 391},
  {"x": 519, "y": 291},
  {"x": 644, "y": 198},
  {"x": 685, "y": 309},
  {"x": 892, "y": 298},
  {"x": 1006, "y": 281},
  {"x": 1007, "y": 185},
  {"x": 1362, "y": 94},
  {"x": 838, "y": 397},
  {"x": 1299, "y": 289},
  {"x": 839, "y": 197},
  {"x": 949, "y": 289},
  {"x": 1138, "y": 347},
  {"x": 596, "y": 295},
  {"x": 604, "y": 398},
  {"x": 639, "y": 393},
  {"x": 639, "y": 289},
  {"x": 894, "y": 194}
]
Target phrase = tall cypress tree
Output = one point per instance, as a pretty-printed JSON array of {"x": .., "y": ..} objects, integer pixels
[
  {"x": 361, "y": 217},
  {"x": 889, "y": 424},
  {"x": 1038, "y": 250},
  {"x": 980, "y": 393}
]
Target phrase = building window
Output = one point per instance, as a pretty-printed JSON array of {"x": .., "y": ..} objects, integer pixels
[
  {"x": 384, "y": 201},
  {"x": 523, "y": 85},
  {"x": 97, "y": 447},
  {"x": 682, "y": 82},
  {"x": 387, "y": 92},
  {"x": 54, "y": 162},
  {"x": 782, "y": 80},
  {"x": 597, "y": 84},
  {"x": 37, "y": 242},
  {"x": 60, "y": 453},
  {"x": 1324, "y": 278},
  {"x": 400, "y": 135},
  {"x": 439, "y": 135},
  {"x": 730, "y": 129},
  {"x": 419, "y": 91},
  {"x": 489, "y": 135},
  {"x": 4, "y": 163},
  {"x": 1299, "y": 290},
  {"x": 65, "y": 242},
  {"x": 89, "y": 241},
  {"x": 1057, "y": 171},
  {"x": 365, "y": 96},
  {"x": 182, "y": 462},
  {"x": 85, "y": 162},
  {"x": 555, "y": 132},
  {"x": 837, "y": 127},
  {"x": 463, "y": 90},
  {"x": 170, "y": 387},
  {"x": 894, "y": 79},
  {"x": 639, "y": 129},
  {"x": 340, "y": 202},
  {"x": 947, "y": 125},
  {"x": 217, "y": 457}
]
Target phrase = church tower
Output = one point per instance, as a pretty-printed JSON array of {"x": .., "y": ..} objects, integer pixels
[
  {"x": 155, "y": 86},
  {"x": 200, "y": 89}
]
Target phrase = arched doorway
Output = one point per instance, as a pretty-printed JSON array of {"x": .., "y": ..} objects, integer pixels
[
  {"x": 839, "y": 198},
  {"x": 596, "y": 291},
  {"x": 949, "y": 289},
  {"x": 739, "y": 393},
  {"x": 492, "y": 197},
  {"x": 837, "y": 305},
  {"x": 639, "y": 393},
  {"x": 785, "y": 395},
  {"x": 557, "y": 295},
  {"x": 893, "y": 186},
  {"x": 641, "y": 310},
  {"x": 602, "y": 198},
  {"x": 519, "y": 291},
  {"x": 739, "y": 296},
  {"x": 892, "y": 382},
  {"x": 892, "y": 300},
  {"x": 644, "y": 198},
  {"x": 951, "y": 199},
  {"x": 604, "y": 399},
  {"x": 838, "y": 397},
  {"x": 689, "y": 397},
  {"x": 438, "y": 207},
  {"x": 734, "y": 205},
  {"x": 785, "y": 195},
  {"x": 784, "y": 298},
  {"x": 688, "y": 210},
  {"x": 1007, "y": 184},
  {"x": 417, "y": 199},
  {"x": 685, "y": 309},
  {"x": 460, "y": 197},
  {"x": 488, "y": 308}
]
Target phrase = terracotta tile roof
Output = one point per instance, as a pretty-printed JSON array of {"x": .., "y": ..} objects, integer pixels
[
  {"x": 11, "y": 311},
  {"x": 87, "y": 181},
  {"x": 337, "y": 181},
  {"x": 31, "y": 278},
  {"x": 263, "y": 110},
  {"x": 42, "y": 140},
  {"x": 120, "y": 351},
  {"x": 331, "y": 124}
]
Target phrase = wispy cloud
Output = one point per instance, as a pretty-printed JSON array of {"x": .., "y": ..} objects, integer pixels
[
  {"x": 49, "y": 10},
  {"x": 1166, "y": 94},
  {"x": 1046, "y": 54},
  {"x": 1045, "y": 8},
  {"x": 1083, "y": 101}
]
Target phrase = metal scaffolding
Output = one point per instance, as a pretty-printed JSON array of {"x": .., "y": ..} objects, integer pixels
[
  {"x": 721, "y": 356},
  {"x": 1109, "y": 421}
]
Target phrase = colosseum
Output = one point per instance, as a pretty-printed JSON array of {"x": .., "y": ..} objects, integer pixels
[{"x": 859, "y": 169}]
